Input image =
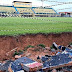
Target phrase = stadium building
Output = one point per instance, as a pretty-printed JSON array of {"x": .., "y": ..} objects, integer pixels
[
  {"x": 65, "y": 14},
  {"x": 26, "y": 9}
]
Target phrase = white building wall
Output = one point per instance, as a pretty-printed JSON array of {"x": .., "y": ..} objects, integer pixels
[{"x": 71, "y": 15}]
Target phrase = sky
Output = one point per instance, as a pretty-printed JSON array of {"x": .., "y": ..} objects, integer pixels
[{"x": 58, "y": 5}]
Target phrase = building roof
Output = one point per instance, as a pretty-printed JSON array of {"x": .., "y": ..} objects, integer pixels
[
  {"x": 16, "y": 65},
  {"x": 21, "y": 2},
  {"x": 26, "y": 63},
  {"x": 44, "y": 59},
  {"x": 24, "y": 60},
  {"x": 57, "y": 60},
  {"x": 5, "y": 6},
  {"x": 65, "y": 12},
  {"x": 4, "y": 66}
]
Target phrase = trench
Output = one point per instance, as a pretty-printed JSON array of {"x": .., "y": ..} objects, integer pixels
[{"x": 7, "y": 43}]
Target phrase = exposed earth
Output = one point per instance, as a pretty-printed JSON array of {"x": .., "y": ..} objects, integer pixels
[{"x": 8, "y": 43}]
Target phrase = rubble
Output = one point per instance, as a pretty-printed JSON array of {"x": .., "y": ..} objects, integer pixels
[
  {"x": 26, "y": 64},
  {"x": 17, "y": 56},
  {"x": 59, "y": 60},
  {"x": 5, "y": 66}
]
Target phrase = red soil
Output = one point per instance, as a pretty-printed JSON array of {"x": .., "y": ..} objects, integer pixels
[{"x": 7, "y": 43}]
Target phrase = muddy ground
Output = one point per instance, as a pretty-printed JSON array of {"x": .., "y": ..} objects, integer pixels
[{"x": 7, "y": 43}]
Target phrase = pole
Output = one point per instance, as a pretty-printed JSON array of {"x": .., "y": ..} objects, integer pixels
[{"x": 42, "y": 2}]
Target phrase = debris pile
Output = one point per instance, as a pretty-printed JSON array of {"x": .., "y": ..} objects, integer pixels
[
  {"x": 60, "y": 61},
  {"x": 26, "y": 64}
]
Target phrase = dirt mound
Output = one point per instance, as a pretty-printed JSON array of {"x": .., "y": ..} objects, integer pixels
[{"x": 7, "y": 43}]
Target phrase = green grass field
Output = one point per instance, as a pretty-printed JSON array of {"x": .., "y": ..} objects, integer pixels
[{"x": 17, "y": 25}]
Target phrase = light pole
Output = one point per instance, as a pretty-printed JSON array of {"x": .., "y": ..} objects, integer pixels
[{"x": 43, "y": 1}]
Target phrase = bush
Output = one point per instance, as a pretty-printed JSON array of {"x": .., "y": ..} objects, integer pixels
[
  {"x": 15, "y": 53},
  {"x": 29, "y": 46},
  {"x": 41, "y": 45},
  {"x": 70, "y": 43},
  {"x": 20, "y": 52},
  {"x": 51, "y": 47}
]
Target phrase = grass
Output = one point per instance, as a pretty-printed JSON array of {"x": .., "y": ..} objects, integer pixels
[{"x": 17, "y": 25}]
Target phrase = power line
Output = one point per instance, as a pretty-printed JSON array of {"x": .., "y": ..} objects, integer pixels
[
  {"x": 64, "y": 8},
  {"x": 50, "y": 1},
  {"x": 61, "y": 4},
  {"x": 55, "y": 1}
]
